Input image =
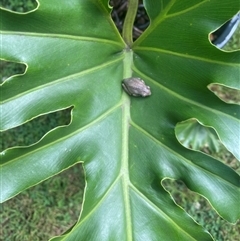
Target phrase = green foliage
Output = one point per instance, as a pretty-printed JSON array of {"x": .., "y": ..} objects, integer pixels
[
  {"x": 127, "y": 145},
  {"x": 52, "y": 214}
]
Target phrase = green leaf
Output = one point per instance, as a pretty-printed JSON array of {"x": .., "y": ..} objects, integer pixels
[{"x": 75, "y": 57}]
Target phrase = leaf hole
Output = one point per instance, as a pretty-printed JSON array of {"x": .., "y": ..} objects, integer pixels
[
  {"x": 119, "y": 12},
  {"x": 32, "y": 131},
  {"x": 19, "y": 6},
  {"x": 227, "y": 36},
  {"x": 199, "y": 209},
  {"x": 8, "y": 69},
  {"x": 192, "y": 135},
  {"x": 51, "y": 207},
  {"x": 226, "y": 94}
]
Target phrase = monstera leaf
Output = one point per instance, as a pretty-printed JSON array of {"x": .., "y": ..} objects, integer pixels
[{"x": 75, "y": 57}]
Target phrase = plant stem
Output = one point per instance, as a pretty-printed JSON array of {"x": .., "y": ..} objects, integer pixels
[{"x": 129, "y": 21}]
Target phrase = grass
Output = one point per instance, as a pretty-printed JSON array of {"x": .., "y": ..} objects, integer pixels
[
  {"x": 201, "y": 211},
  {"x": 45, "y": 210},
  {"x": 53, "y": 206}
]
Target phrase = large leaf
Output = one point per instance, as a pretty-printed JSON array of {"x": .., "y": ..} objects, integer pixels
[{"x": 75, "y": 57}]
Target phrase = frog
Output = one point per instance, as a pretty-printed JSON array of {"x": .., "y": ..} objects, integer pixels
[{"x": 136, "y": 87}]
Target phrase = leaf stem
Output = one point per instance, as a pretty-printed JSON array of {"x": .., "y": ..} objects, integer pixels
[{"x": 129, "y": 21}]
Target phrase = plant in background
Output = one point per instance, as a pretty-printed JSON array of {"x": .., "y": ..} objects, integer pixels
[
  {"x": 76, "y": 58},
  {"x": 195, "y": 136},
  {"x": 18, "y": 6}
]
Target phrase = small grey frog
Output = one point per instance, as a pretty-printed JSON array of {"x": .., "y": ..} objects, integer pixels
[{"x": 136, "y": 87}]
